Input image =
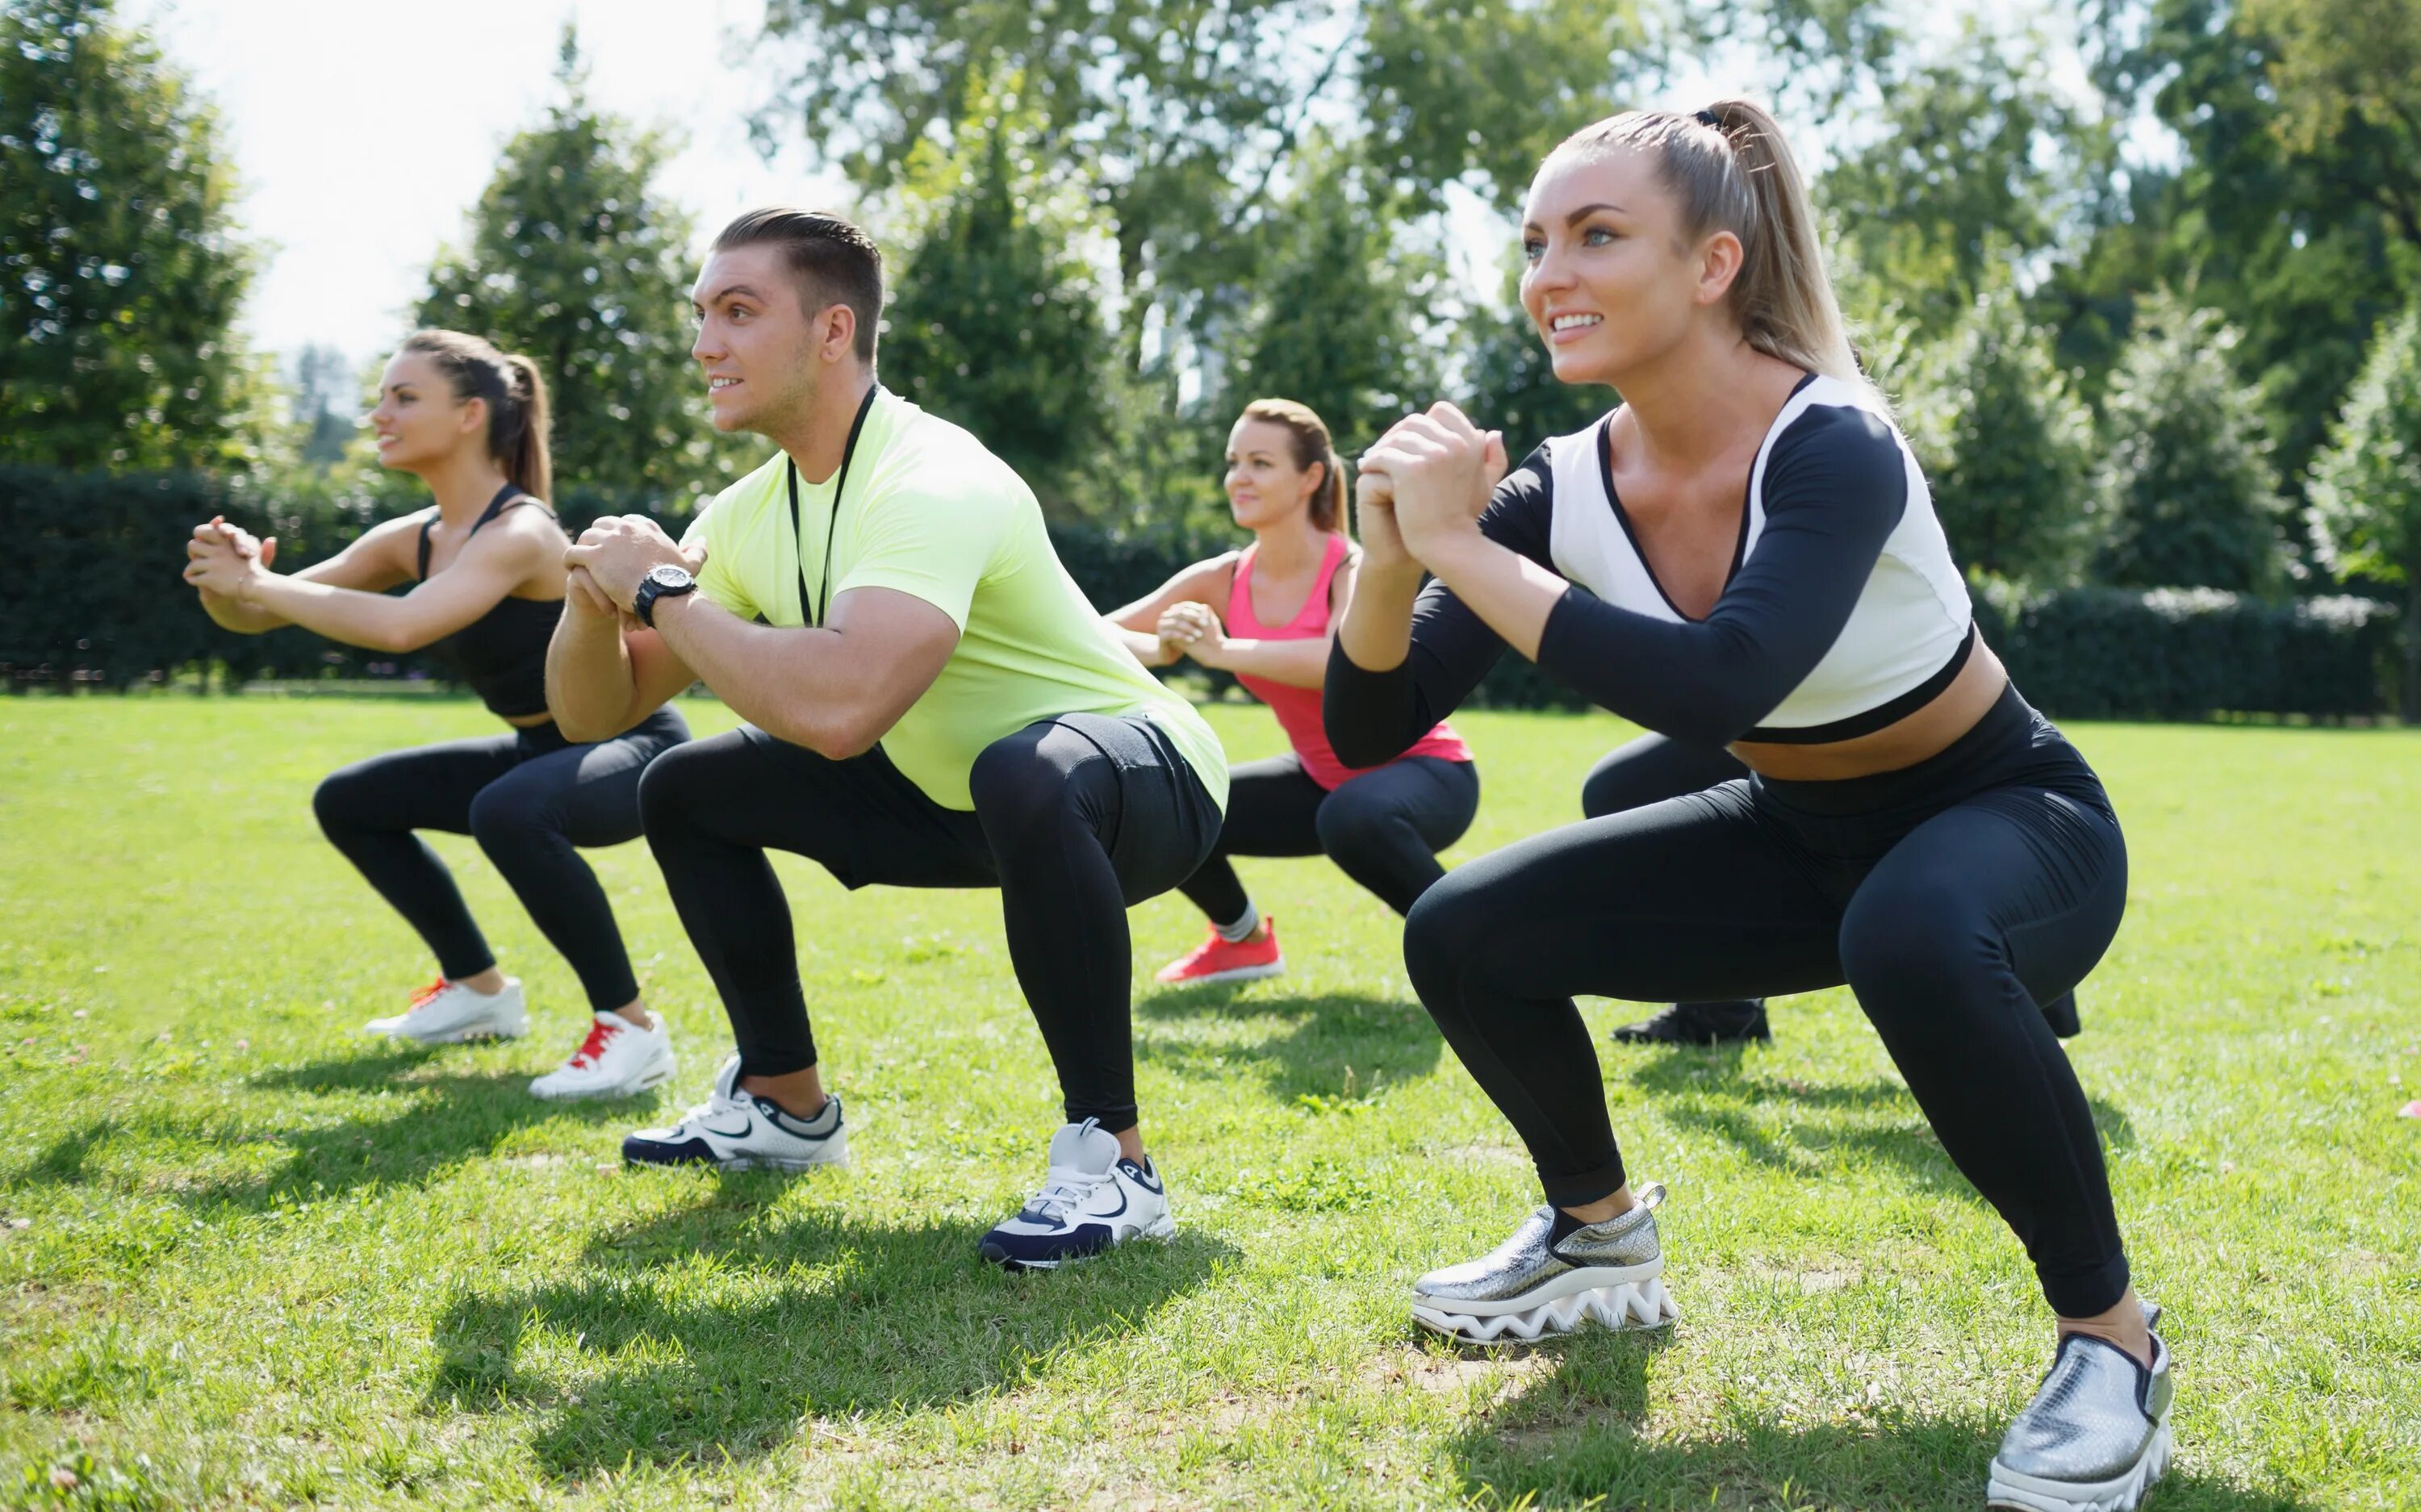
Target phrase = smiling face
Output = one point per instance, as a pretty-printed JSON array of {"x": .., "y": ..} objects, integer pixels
[
  {"x": 754, "y": 340},
  {"x": 418, "y": 423},
  {"x": 1265, "y": 487},
  {"x": 1609, "y": 280}
]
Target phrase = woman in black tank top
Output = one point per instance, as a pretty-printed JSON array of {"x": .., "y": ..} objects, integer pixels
[{"x": 485, "y": 589}]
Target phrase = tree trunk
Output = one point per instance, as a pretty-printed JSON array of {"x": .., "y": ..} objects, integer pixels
[{"x": 2412, "y": 646}]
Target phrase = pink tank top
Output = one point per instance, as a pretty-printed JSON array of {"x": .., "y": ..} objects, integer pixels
[{"x": 1298, "y": 709}]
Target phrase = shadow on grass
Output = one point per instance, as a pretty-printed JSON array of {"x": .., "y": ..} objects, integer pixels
[
  {"x": 1708, "y": 1090},
  {"x": 1573, "y": 1439},
  {"x": 1336, "y": 1045},
  {"x": 433, "y": 1123},
  {"x": 717, "y": 1330}
]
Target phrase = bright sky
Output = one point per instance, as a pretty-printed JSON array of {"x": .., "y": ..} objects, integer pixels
[{"x": 362, "y": 133}]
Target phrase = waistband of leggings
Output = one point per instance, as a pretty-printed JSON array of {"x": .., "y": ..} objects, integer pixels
[{"x": 2009, "y": 731}]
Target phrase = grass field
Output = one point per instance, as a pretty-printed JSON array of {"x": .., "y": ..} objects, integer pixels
[{"x": 249, "y": 1257}]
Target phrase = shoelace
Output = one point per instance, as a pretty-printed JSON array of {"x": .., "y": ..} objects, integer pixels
[
  {"x": 428, "y": 994},
  {"x": 600, "y": 1035},
  {"x": 1061, "y": 1190}
]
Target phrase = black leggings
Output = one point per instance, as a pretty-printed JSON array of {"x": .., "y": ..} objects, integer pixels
[
  {"x": 1384, "y": 828},
  {"x": 1652, "y": 768},
  {"x": 1953, "y": 897},
  {"x": 1075, "y": 818},
  {"x": 529, "y": 796}
]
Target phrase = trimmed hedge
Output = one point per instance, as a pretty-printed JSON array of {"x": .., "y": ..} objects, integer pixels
[
  {"x": 2191, "y": 653},
  {"x": 98, "y": 603}
]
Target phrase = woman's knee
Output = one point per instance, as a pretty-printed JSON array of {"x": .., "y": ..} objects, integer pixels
[
  {"x": 508, "y": 814},
  {"x": 346, "y": 798},
  {"x": 1444, "y": 935},
  {"x": 1908, "y": 955},
  {"x": 670, "y": 782},
  {"x": 1349, "y": 825}
]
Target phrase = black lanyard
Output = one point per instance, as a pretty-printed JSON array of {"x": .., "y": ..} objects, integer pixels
[{"x": 808, "y": 607}]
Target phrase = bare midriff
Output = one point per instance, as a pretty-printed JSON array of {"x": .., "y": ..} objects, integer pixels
[{"x": 1925, "y": 733}]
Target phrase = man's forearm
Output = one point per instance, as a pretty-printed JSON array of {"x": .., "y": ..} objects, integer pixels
[
  {"x": 589, "y": 683},
  {"x": 790, "y": 683}
]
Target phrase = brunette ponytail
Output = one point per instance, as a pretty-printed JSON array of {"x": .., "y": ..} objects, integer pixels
[{"x": 515, "y": 396}]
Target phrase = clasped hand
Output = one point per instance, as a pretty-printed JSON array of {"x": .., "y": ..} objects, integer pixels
[
  {"x": 605, "y": 566},
  {"x": 1191, "y": 628},
  {"x": 1423, "y": 485},
  {"x": 221, "y": 557}
]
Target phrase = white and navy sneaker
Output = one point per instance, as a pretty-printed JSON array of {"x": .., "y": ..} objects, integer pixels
[
  {"x": 740, "y": 1131},
  {"x": 446, "y": 1013},
  {"x": 1091, "y": 1198},
  {"x": 618, "y": 1059}
]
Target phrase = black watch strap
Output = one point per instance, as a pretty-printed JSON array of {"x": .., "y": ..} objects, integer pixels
[{"x": 643, "y": 604}]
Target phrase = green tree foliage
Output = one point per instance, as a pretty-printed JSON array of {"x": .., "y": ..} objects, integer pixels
[
  {"x": 324, "y": 399},
  {"x": 2366, "y": 487},
  {"x": 120, "y": 270},
  {"x": 2290, "y": 244},
  {"x": 1980, "y": 154},
  {"x": 576, "y": 260},
  {"x": 1180, "y": 118},
  {"x": 2007, "y": 447},
  {"x": 1340, "y": 314},
  {"x": 2348, "y": 72},
  {"x": 994, "y": 321},
  {"x": 2185, "y": 479}
]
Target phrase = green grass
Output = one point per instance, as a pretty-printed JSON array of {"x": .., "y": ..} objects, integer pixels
[{"x": 250, "y": 1257}]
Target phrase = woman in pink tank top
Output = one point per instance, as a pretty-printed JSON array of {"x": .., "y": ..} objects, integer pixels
[{"x": 1266, "y": 614}]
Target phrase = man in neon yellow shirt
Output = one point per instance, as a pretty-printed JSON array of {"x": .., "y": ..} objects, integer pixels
[{"x": 931, "y": 703}]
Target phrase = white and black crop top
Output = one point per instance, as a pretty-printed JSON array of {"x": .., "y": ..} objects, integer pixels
[{"x": 1842, "y": 612}]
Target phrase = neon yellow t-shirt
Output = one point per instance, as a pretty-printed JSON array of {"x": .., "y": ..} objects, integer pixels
[{"x": 931, "y": 513}]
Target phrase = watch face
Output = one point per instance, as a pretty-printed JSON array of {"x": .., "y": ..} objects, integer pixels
[{"x": 669, "y": 577}]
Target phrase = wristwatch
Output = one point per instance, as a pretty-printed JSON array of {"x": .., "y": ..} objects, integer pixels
[{"x": 659, "y": 582}]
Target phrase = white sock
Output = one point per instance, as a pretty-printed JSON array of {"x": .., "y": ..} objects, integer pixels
[{"x": 1241, "y": 931}]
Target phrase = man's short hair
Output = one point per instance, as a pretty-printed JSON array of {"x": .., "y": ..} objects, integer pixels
[{"x": 836, "y": 262}]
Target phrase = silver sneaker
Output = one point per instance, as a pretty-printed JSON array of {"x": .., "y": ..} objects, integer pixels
[
  {"x": 2096, "y": 1434},
  {"x": 1529, "y": 1288}
]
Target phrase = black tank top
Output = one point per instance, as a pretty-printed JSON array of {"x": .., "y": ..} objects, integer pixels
[{"x": 502, "y": 654}]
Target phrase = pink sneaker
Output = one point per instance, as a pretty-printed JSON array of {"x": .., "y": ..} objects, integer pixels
[{"x": 1216, "y": 960}]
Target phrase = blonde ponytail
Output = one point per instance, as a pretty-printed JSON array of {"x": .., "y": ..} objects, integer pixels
[{"x": 1731, "y": 170}]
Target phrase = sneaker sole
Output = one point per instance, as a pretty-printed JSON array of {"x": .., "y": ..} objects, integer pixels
[
  {"x": 647, "y": 1082},
  {"x": 1629, "y": 1304},
  {"x": 1163, "y": 1228},
  {"x": 470, "y": 1032},
  {"x": 1233, "y": 974},
  {"x": 831, "y": 1156},
  {"x": 2019, "y": 1493}
]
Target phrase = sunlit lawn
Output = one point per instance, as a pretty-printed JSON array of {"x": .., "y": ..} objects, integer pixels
[{"x": 248, "y": 1257}]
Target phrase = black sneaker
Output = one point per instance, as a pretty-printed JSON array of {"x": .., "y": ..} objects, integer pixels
[{"x": 1700, "y": 1023}]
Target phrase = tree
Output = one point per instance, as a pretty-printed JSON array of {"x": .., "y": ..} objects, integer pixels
[
  {"x": 2366, "y": 487},
  {"x": 2348, "y": 72},
  {"x": 1180, "y": 118},
  {"x": 1339, "y": 316},
  {"x": 2185, "y": 482},
  {"x": 2291, "y": 244},
  {"x": 118, "y": 253},
  {"x": 994, "y": 323},
  {"x": 1983, "y": 158},
  {"x": 325, "y": 401},
  {"x": 576, "y": 261},
  {"x": 2007, "y": 449}
]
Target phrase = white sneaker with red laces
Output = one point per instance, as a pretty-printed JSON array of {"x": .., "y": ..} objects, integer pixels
[
  {"x": 446, "y": 1013},
  {"x": 618, "y": 1058}
]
